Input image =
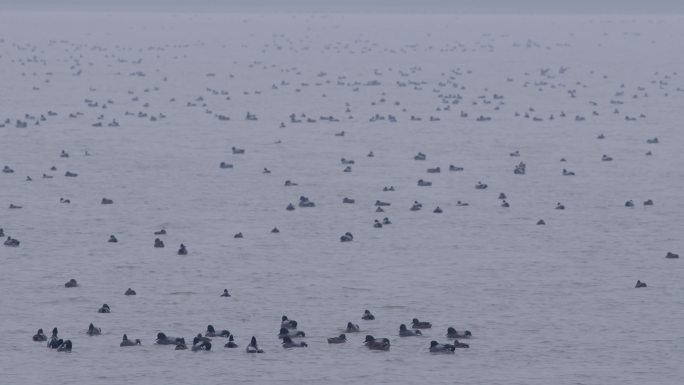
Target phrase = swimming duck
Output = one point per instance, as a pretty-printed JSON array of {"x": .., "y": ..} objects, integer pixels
[
  {"x": 435, "y": 170},
  {"x": 502, "y": 196},
  {"x": 404, "y": 332},
  {"x": 238, "y": 235},
  {"x": 252, "y": 347},
  {"x": 104, "y": 309},
  {"x": 238, "y": 150},
  {"x": 158, "y": 243},
  {"x": 437, "y": 210},
  {"x": 436, "y": 347},
  {"x": 11, "y": 242},
  {"x": 182, "y": 250},
  {"x": 347, "y": 169},
  {"x": 568, "y": 173},
  {"x": 39, "y": 336},
  {"x": 377, "y": 224},
  {"x": 93, "y": 331},
  {"x": 348, "y": 200},
  {"x": 459, "y": 203},
  {"x": 379, "y": 210},
  {"x": 290, "y": 183},
  {"x": 452, "y": 333},
  {"x": 480, "y": 186},
  {"x": 70, "y": 174},
  {"x": 671, "y": 255},
  {"x": 505, "y": 204},
  {"x": 420, "y": 324},
  {"x": 305, "y": 202},
  {"x": 160, "y": 232},
  {"x": 181, "y": 346},
  {"x": 54, "y": 341},
  {"x": 199, "y": 344},
  {"x": 284, "y": 332},
  {"x": 386, "y": 221},
  {"x": 559, "y": 206},
  {"x": 424, "y": 183},
  {"x": 640, "y": 284},
  {"x": 338, "y": 340},
  {"x": 275, "y": 230},
  {"x": 211, "y": 332},
  {"x": 106, "y": 201},
  {"x": 72, "y": 283},
  {"x": 290, "y": 207},
  {"x": 648, "y": 203},
  {"x": 377, "y": 344},
  {"x": 416, "y": 206},
  {"x": 347, "y": 237},
  {"x": 231, "y": 343},
  {"x": 162, "y": 339},
  {"x": 515, "y": 153},
  {"x": 370, "y": 154},
  {"x": 225, "y": 293},
  {"x": 126, "y": 342},
  {"x": 629, "y": 203},
  {"x": 112, "y": 239},
  {"x": 541, "y": 222},
  {"x": 455, "y": 168},
  {"x": 353, "y": 328},
  {"x": 381, "y": 203},
  {"x": 287, "y": 323},
  {"x": 606, "y": 158},
  {"x": 288, "y": 343},
  {"x": 420, "y": 156},
  {"x": 367, "y": 316},
  {"x": 65, "y": 347},
  {"x": 266, "y": 171}
]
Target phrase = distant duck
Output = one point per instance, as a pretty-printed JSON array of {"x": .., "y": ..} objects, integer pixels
[
  {"x": 404, "y": 332},
  {"x": 225, "y": 165},
  {"x": 502, "y": 196},
  {"x": 629, "y": 203},
  {"x": 505, "y": 204},
  {"x": 201, "y": 345},
  {"x": 437, "y": 210},
  {"x": 112, "y": 239},
  {"x": 238, "y": 235},
  {"x": 54, "y": 341},
  {"x": 126, "y": 342},
  {"x": 238, "y": 150},
  {"x": 424, "y": 183},
  {"x": 381, "y": 203},
  {"x": 563, "y": 160},
  {"x": 13, "y": 206},
  {"x": 288, "y": 343},
  {"x": 305, "y": 202},
  {"x": 181, "y": 346},
  {"x": 130, "y": 292},
  {"x": 64, "y": 154},
  {"x": 379, "y": 210},
  {"x": 459, "y": 203},
  {"x": 39, "y": 336},
  {"x": 341, "y": 133},
  {"x": 182, "y": 250},
  {"x": 515, "y": 153},
  {"x": 106, "y": 201},
  {"x": 452, "y": 333},
  {"x": 606, "y": 158},
  {"x": 640, "y": 284},
  {"x": 7, "y": 170},
  {"x": 211, "y": 332},
  {"x": 601, "y": 136},
  {"x": 652, "y": 141},
  {"x": 287, "y": 323},
  {"x": 104, "y": 309},
  {"x": 290, "y": 207},
  {"x": 367, "y": 316},
  {"x": 46, "y": 176},
  {"x": 11, "y": 242},
  {"x": 435, "y": 170},
  {"x": 455, "y": 168},
  {"x": 377, "y": 344},
  {"x": 275, "y": 230},
  {"x": 93, "y": 331},
  {"x": 347, "y": 237},
  {"x": 53, "y": 168},
  {"x": 338, "y": 340},
  {"x": 65, "y": 346},
  {"x": 370, "y": 154},
  {"x": 480, "y": 186},
  {"x": 353, "y": 328},
  {"x": 436, "y": 347},
  {"x": 72, "y": 283},
  {"x": 416, "y": 206},
  {"x": 347, "y": 169},
  {"x": 559, "y": 206},
  {"x": 348, "y": 200},
  {"x": 568, "y": 173},
  {"x": 158, "y": 243},
  {"x": 28, "y": 179},
  {"x": 386, "y": 221},
  {"x": 420, "y": 324},
  {"x": 70, "y": 174},
  {"x": 225, "y": 293},
  {"x": 62, "y": 200},
  {"x": 648, "y": 203},
  {"x": 231, "y": 343},
  {"x": 290, "y": 183},
  {"x": 346, "y": 161},
  {"x": 163, "y": 339},
  {"x": 541, "y": 222},
  {"x": 160, "y": 232},
  {"x": 671, "y": 255},
  {"x": 253, "y": 347},
  {"x": 285, "y": 332},
  {"x": 420, "y": 156},
  {"x": 266, "y": 171},
  {"x": 649, "y": 153},
  {"x": 377, "y": 224}
]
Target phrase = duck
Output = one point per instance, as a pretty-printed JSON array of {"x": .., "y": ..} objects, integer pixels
[
  {"x": 238, "y": 150},
  {"x": 39, "y": 336},
  {"x": 435, "y": 170},
  {"x": 386, "y": 221},
  {"x": 347, "y": 237},
  {"x": 377, "y": 344},
  {"x": 420, "y": 156},
  {"x": 404, "y": 332},
  {"x": 162, "y": 339},
  {"x": 112, "y": 239},
  {"x": 353, "y": 328},
  {"x": 338, "y": 340},
  {"x": 436, "y": 347},
  {"x": 284, "y": 332},
  {"x": 289, "y": 183},
  {"x": 65, "y": 346},
  {"x": 231, "y": 342},
  {"x": 126, "y": 342},
  {"x": 480, "y": 186},
  {"x": 225, "y": 293},
  {"x": 158, "y": 243},
  {"x": 104, "y": 201},
  {"x": 370, "y": 154},
  {"x": 648, "y": 203},
  {"x": 288, "y": 343},
  {"x": 211, "y": 332},
  {"x": 420, "y": 324},
  {"x": 253, "y": 347},
  {"x": 181, "y": 346},
  {"x": 459, "y": 203},
  {"x": 238, "y": 235},
  {"x": 72, "y": 283},
  {"x": 199, "y": 344},
  {"x": 455, "y": 168},
  {"x": 70, "y": 174},
  {"x": 568, "y": 173},
  {"x": 452, "y": 333},
  {"x": 275, "y": 230},
  {"x": 541, "y": 222},
  {"x": 379, "y": 210},
  {"x": 367, "y": 315},
  {"x": 348, "y": 200},
  {"x": 505, "y": 204},
  {"x": 54, "y": 341},
  {"x": 629, "y": 203},
  {"x": 502, "y": 196},
  {"x": 377, "y": 224},
  {"x": 559, "y": 206},
  {"x": 200, "y": 338},
  {"x": 93, "y": 331},
  {"x": 182, "y": 250},
  {"x": 671, "y": 255},
  {"x": 290, "y": 207},
  {"x": 287, "y": 323},
  {"x": 104, "y": 309},
  {"x": 11, "y": 242},
  {"x": 160, "y": 232},
  {"x": 606, "y": 158},
  {"x": 640, "y": 284},
  {"x": 437, "y": 210},
  {"x": 424, "y": 183},
  {"x": 381, "y": 203}
]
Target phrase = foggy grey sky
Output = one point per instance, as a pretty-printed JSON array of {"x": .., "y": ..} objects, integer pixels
[{"x": 427, "y": 6}]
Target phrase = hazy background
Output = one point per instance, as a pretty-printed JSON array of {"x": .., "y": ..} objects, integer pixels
[{"x": 399, "y": 6}]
